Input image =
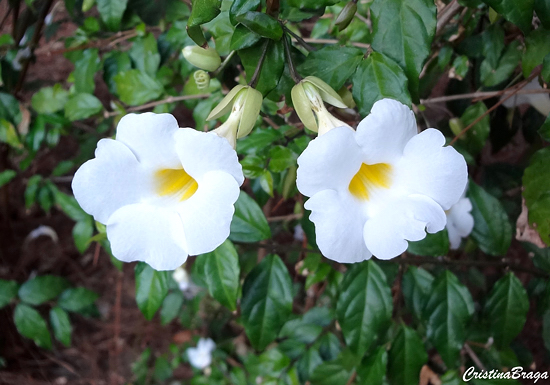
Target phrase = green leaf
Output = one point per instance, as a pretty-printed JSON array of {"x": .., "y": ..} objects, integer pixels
[
  {"x": 239, "y": 7},
  {"x": 219, "y": 270},
  {"x": 77, "y": 299},
  {"x": 393, "y": 22},
  {"x": 151, "y": 289},
  {"x": 267, "y": 301},
  {"x": 266, "y": 182},
  {"x": 49, "y": 99},
  {"x": 506, "y": 309},
  {"x": 82, "y": 232},
  {"x": 311, "y": 4},
  {"x": 61, "y": 325},
  {"x": 171, "y": 306},
  {"x": 364, "y": 306},
  {"x": 373, "y": 368},
  {"x": 114, "y": 63},
  {"x": 378, "y": 77},
  {"x": 492, "y": 76},
  {"x": 518, "y": 12},
  {"x": 447, "y": 312},
  {"x": 406, "y": 357},
  {"x": 493, "y": 44},
  {"x": 30, "y": 324},
  {"x": 8, "y": 134},
  {"x": 111, "y": 12},
  {"x": 6, "y": 176},
  {"x": 332, "y": 64},
  {"x": 492, "y": 230},
  {"x": 145, "y": 54},
  {"x": 249, "y": 223},
  {"x": 542, "y": 8},
  {"x": 545, "y": 73},
  {"x": 85, "y": 68},
  {"x": 281, "y": 158},
  {"x": 335, "y": 372},
  {"x": 82, "y": 106},
  {"x": 537, "y": 46},
  {"x": 42, "y": 289},
  {"x": 307, "y": 363},
  {"x": 243, "y": 38},
  {"x": 476, "y": 136},
  {"x": 416, "y": 287},
  {"x": 9, "y": 108},
  {"x": 536, "y": 183},
  {"x": 202, "y": 11},
  {"x": 434, "y": 245},
  {"x": 68, "y": 204},
  {"x": 136, "y": 87},
  {"x": 8, "y": 291},
  {"x": 261, "y": 23},
  {"x": 273, "y": 67}
]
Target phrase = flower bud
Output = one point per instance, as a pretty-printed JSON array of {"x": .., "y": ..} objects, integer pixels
[
  {"x": 203, "y": 58},
  {"x": 346, "y": 15},
  {"x": 202, "y": 79},
  {"x": 245, "y": 103}
]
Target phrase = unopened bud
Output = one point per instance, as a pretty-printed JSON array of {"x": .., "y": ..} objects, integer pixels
[
  {"x": 202, "y": 79},
  {"x": 346, "y": 15},
  {"x": 456, "y": 126},
  {"x": 347, "y": 97},
  {"x": 204, "y": 58}
]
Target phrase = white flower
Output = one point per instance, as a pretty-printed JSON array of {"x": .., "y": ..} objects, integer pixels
[
  {"x": 460, "y": 221},
  {"x": 201, "y": 356},
  {"x": 181, "y": 277},
  {"x": 162, "y": 191},
  {"x": 374, "y": 189}
]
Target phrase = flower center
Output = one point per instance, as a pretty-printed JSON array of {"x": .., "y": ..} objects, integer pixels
[
  {"x": 176, "y": 183},
  {"x": 368, "y": 178}
]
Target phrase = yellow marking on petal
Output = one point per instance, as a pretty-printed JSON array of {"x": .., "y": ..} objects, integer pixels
[
  {"x": 175, "y": 182},
  {"x": 369, "y": 177}
]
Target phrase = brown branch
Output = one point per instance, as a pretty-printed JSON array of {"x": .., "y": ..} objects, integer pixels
[
  {"x": 481, "y": 95},
  {"x": 334, "y": 41},
  {"x": 170, "y": 99}
]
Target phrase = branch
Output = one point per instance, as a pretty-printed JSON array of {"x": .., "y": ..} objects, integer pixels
[
  {"x": 334, "y": 41},
  {"x": 481, "y": 95},
  {"x": 170, "y": 99}
]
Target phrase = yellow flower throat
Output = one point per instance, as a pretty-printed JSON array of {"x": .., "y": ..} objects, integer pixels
[
  {"x": 368, "y": 178},
  {"x": 176, "y": 183}
]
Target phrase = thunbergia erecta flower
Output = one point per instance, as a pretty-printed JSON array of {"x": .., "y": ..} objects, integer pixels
[
  {"x": 374, "y": 189},
  {"x": 163, "y": 192},
  {"x": 460, "y": 221},
  {"x": 201, "y": 356}
]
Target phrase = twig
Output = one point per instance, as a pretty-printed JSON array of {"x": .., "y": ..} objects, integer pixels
[
  {"x": 293, "y": 73},
  {"x": 170, "y": 99},
  {"x": 334, "y": 41},
  {"x": 474, "y": 357},
  {"x": 446, "y": 15},
  {"x": 256, "y": 75},
  {"x": 299, "y": 39},
  {"x": 284, "y": 218},
  {"x": 224, "y": 63},
  {"x": 482, "y": 95}
]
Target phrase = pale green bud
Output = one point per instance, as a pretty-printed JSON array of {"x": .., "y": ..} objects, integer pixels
[
  {"x": 204, "y": 58},
  {"x": 456, "y": 126},
  {"x": 202, "y": 79},
  {"x": 346, "y": 15}
]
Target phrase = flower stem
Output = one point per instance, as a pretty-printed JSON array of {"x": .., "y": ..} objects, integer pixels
[
  {"x": 293, "y": 73},
  {"x": 299, "y": 39},
  {"x": 256, "y": 76}
]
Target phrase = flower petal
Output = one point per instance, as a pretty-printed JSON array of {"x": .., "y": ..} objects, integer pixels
[
  {"x": 384, "y": 133},
  {"x": 329, "y": 162},
  {"x": 207, "y": 215},
  {"x": 150, "y": 136},
  {"x": 338, "y": 226},
  {"x": 201, "y": 152},
  {"x": 460, "y": 222},
  {"x": 403, "y": 219},
  {"x": 116, "y": 174},
  {"x": 429, "y": 168},
  {"x": 151, "y": 234}
]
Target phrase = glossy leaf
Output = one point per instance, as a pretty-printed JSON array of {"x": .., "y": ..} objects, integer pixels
[
  {"x": 239, "y": 7},
  {"x": 492, "y": 230},
  {"x": 476, "y": 136},
  {"x": 373, "y": 368},
  {"x": 202, "y": 11},
  {"x": 393, "y": 22},
  {"x": 61, "y": 325},
  {"x": 537, "y": 46},
  {"x": 536, "y": 183},
  {"x": 82, "y": 106},
  {"x": 243, "y": 38},
  {"x": 406, "y": 357},
  {"x": 151, "y": 289},
  {"x": 8, "y": 291},
  {"x": 335, "y": 372},
  {"x": 262, "y": 24},
  {"x": 416, "y": 287},
  {"x": 506, "y": 309},
  {"x": 136, "y": 87},
  {"x": 6, "y": 176},
  {"x": 433, "y": 245},
  {"x": 49, "y": 99},
  {"x": 30, "y": 324},
  {"x": 249, "y": 223},
  {"x": 77, "y": 299},
  {"x": 42, "y": 289},
  {"x": 492, "y": 76},
  {"x": 542, "y": 8},
  {"x": 273, "y": 66},
  {"x": 219, "y": 270},
  {"x": 364, "y": 306},
  {"x": 171, "y": 307},
  {"x": 85, "y": 68},
  {"x": 518, "y": 12},
  {"x": 267, "y": 301},
  {"x": 145, "y": 55},
  {"x": 111, "y": 12},
  {"x": 447, "y": 313},
  {"x": 378, "y": 77}
]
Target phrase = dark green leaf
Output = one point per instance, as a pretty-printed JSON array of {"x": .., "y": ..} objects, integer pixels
[
  {"x": 434, "y": 245},
  {"x": 273, "y": 66},
  {"x": 145, "y": 55},
  {"x": 416, "y": 287},
  {"x": 281, "y": 158},
  {"x": 545, "y": 73},
  {"x": 492, "y": 230},
  {"x": 267, "y": 301},
  {"x": 82, "y": 106},
  {"x": 151, "y": 289},
  {"x": 536, "y": 183},
  {"x": 492, "y": 76},
  {"x": 202, "y": 11},
  {"x": 406, "y": 357},
  {"x": 542, "y": 8},
  {"x": 8, "y": 291},
  {"x": 77, "y": 299},
  {"x": 257, "y": 140},
  {"x": 85, "y": 68},
  {"x": 364, "y": 306},
  {"x": 82, "y": 232},
  {"x": 163, "y": 370},
  {"x": 518, "y": 12},
  {"x": 61, "y": 325},
  {"x": 312, "y": 4},
  {"x": 261, "y": 23},
  {"x": 537, "y": 46},
  {"x": 111, "y": 12},
  {"x": 135, "y": 87},
  {"x": 332, "y": 64},
  {"x": 307, "y": 363},
  {"x": 9, "y": 108},
  {"x": 68, "y": 204},
  {"x": 506, "y": 309},
  {"x": 476, "y": 136},
  {"x": 8, "y": 134},
  {"x": 6, "y": 176},
  {"x": 373, "y": 368},
  {"x": 219, "y": 270},
  {"x": 336, "y": 372},
  {"x": 30, "y": 324},
  {"x": 493, "y": 44},
  {"x": 243, "y": 38},
  {"x": 266, "y": 182},
  {"x": 393, "y": 22},
  {"x": 378, "y": 77},
  {"x": 49, "y": 99},
  {"x": 448, "y": 311},
  {"x": 239, "y": 7},
  {"x": 171, "y": 307},
  {"x": 41, "y": 289},
  {"x": 249, "y": 223}
]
